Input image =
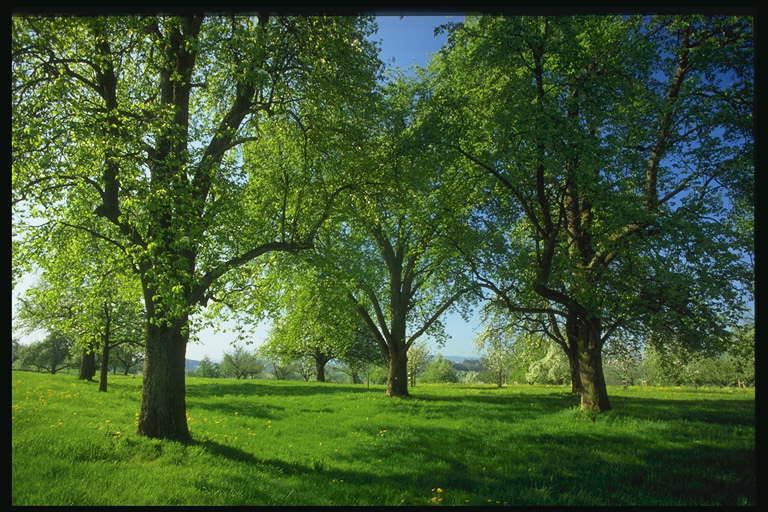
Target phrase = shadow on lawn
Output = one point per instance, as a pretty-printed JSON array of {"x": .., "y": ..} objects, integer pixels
[
  {"x": 723, "y": 412},
  {"x": 244, "y": 407},
  {"x": 209, "y": 389},
  {"x": 560, "y": 468}
]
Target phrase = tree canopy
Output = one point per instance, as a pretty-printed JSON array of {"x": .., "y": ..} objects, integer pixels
[{"x": 589, "y": 178}]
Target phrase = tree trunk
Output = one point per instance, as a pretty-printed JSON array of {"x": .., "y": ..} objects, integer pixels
[
  {"x": 594, "y": 394},
  {"x": 87, "y": 365},
  {"x": 320, "y": 368},
  {"x": 104, "y": 367},
  {"x": 355, "y": 377},
  {"x": 163, "y": 408},
  {"x": 397, "y": 382},
  {"x": 573, "y": 362},
  {"x": 573, "y": 330}
]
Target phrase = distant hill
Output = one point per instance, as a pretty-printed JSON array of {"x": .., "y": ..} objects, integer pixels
[
  {"x": 461, "y": 359},
  {"x": 191, "y": 364}
]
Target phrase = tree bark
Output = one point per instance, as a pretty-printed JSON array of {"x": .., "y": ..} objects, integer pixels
[
  {"x": 573, "y": 362},
  {"x": 594, "y": 394},
  {"x": 320, "y": 368},
  {"x": 104, "y": 367},
  {"x": 163, "y": 408},
  {"x": 105, "y": 348},
  {"x": 572, "y": 332},
  {"x": 397, "y": 383},
  {"x": 87, "y": 365}
]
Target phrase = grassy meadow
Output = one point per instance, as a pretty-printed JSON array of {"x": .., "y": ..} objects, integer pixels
[{"x": 260, "y": 442}]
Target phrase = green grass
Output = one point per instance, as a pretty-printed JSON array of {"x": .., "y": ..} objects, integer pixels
[{"x": 295, "y": 443}]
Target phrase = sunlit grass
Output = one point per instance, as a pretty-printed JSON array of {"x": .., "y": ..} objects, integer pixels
[{"x": 295, "y": 443}]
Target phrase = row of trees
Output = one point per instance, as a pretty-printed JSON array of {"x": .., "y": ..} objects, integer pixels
[
  {"x": 582, "y": 177},
  {"x": 531, "y": 359},
  {"x": 57, "y": 352}
]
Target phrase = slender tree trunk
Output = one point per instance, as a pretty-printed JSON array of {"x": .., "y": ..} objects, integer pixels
[
  {"x": 87, "y": 365},
  {"x": 573, "y": 332},
  {"x": 397, "y": 383},
  {"x": 594, "y": 394},
  {"x": 573, "y": 362},
  {"x": 104, "y": 367},
  {"x": 163, "y": 407}
]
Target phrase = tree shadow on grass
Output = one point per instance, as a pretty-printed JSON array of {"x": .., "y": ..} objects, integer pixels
[
  {"x": 209, "y": 389},
  {"x": 244, "y": 407},
  {"x": 555, "y": 468},
  {"x": 722, "y": 412}
]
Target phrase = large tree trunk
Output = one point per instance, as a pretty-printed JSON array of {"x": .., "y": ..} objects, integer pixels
[
  {"x": 104, "y": 367},
  {"x": 594, "y": 394},
  {"x": 320, "y": 363},
  {"x": 87, "y": 365},
  {"x": 163, "y": 408},
  {"x": 397, "y": 382}
]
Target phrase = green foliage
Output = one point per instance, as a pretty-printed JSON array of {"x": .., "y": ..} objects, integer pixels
[
  {"x": 391, "y": 245},
  {"x": 418, "y": 361},
  {"x": 623, "y": 364},
  {"x": 439, "y": 369},
  {"x": 606, "y": 156},
  {"x": 361, "y": 356},
  {"x": 207, "y": 368},
  {"x": 15, "y": 350},
  {"x": 551, "y": 369},
  {"x": 733, "y": 365},
  {"x": 498, "y": 346},
  {"x": 127, "y": 356},
  {"x": 241, "y": 364},
  {"x": 51, "y": 354},
  {"x": 313, "y": 318}
]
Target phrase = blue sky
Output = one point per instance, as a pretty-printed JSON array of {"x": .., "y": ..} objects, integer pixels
[{"x": 409, "y": 40}]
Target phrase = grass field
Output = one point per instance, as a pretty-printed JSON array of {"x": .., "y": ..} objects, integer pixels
[{"x": 294, "y": 443}]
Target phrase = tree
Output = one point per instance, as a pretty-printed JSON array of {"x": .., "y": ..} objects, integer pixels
[
  {"x": 497, "y": 344},
  {"x": 497, "y": 363},
  {"x": 281, "y": 369},
  {"x": 390, "y": 249},
  {"x": 552, "y": 368},
  {"x": 741, "y": 352},
  {"x": 608, "y": 150},
  {"x": 129, "y": 356},
  {"x": 51, "y": 354},
  {"x": 312, "y": 317},
  {"x": 166, "y": 137},
  {"x": 625, "y": 359},
  {"x": 418, "y": 359},
  {"x": 15, "y": 350},
  {"x": 207, "y": 368},
  {"x": 89, "y": 295},
  {"x": 439, "y": 369},
  {"x": 241, "y": 364},
  {"x": 361, "y": 355}
]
